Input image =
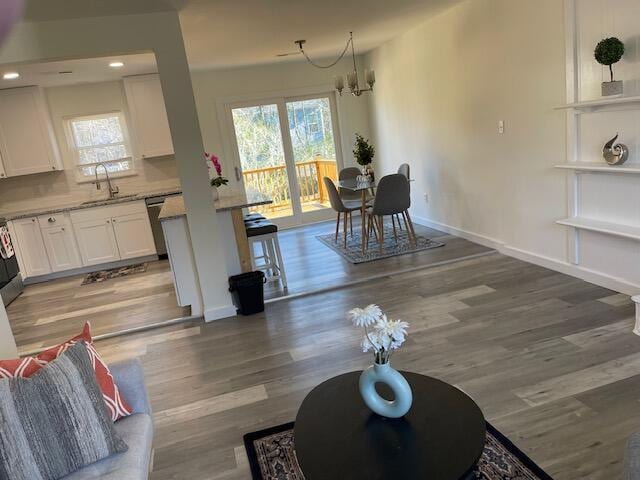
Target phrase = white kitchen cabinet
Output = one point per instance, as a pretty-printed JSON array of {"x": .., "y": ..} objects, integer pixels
[
  {"x": 149, "y": 115},
  {"x": 27, "y": 141},
  {"x": 96, "y": 241},
  {"x": 113, "y": 232},
  {"x": 133, "y": 235},
  {"x": 32, "y": 258},
  {"x": 62, "y": 251}
]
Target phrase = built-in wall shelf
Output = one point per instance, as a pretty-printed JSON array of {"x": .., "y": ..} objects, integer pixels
[
  {"x": 600, "y": 167},
  {"x": 600, "y": 102},
  {"x": 616, "y": 229}
]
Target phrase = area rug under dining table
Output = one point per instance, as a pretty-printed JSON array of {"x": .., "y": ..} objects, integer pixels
[
  {"x": 271, "y": 454},
  {"x": 353, "y": 253}
]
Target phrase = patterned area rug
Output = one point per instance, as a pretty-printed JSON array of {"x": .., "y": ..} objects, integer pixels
[
  {"x": 272, "y": 457},
  {"x": 353, "y": 251},
  {"x": 104, "y": 275}
]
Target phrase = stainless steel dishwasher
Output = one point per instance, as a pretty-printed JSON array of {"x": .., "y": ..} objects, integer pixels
[{"x": 154, "y": 205}]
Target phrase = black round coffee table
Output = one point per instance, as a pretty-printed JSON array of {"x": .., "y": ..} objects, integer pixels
[{"x": 338, "y": 437}]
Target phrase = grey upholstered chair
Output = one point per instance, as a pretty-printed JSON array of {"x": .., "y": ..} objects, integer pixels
[
  {"x": 392, "y": 198},
  {"x": 403, "y": 169},
  {"x": 344, "y": 207},
  {"x": 346, "y": 194},
  {"x": 347, "y": 174}
]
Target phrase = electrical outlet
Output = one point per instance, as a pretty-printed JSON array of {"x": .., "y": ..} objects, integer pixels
[
  {"x": 500, "y": 127},
  {"x": 426, "y": 197}
]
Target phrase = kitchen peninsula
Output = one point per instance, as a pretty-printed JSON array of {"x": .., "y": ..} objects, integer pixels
[{"x": 173, "y": 217}]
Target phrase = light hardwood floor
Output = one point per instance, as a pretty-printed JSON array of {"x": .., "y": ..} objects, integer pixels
[
  {"x": 311, "y": 265},
  {"x": 51, "y": 312},
  {"x": 550, "y": 359}
]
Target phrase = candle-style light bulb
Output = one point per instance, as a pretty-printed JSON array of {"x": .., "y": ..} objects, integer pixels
[
  {"x": 370, "y": 77},
  {"x": 338, "y": 82},
  {"x": 352, "y": 80}
]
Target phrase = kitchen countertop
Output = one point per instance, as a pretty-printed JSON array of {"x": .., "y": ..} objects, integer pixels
[
  {"x": 174, "y": 206},
  {"x": 92, "y": 204}
]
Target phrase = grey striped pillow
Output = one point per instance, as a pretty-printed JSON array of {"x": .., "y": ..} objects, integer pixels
[{"x": 54, "y": 422}]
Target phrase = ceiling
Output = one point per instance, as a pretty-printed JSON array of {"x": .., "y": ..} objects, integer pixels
[
  {"x": 230, "y": 33},
  {"x": 90, "y": 70},
  {"x": 233, "y": 33}
]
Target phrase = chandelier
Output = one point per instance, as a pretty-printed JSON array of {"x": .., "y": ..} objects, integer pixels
[{"x": 353, "y": 81}]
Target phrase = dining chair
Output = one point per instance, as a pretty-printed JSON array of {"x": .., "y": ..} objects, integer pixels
[
  {"x": 343, "y": 207},
  {"x": 392, "y": 198},
  {"x": 403, "y": 169},
  {"x": 348, "y": 174}
]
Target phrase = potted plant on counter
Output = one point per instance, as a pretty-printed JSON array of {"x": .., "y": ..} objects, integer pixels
[
  {"x": 363, "y": 153},
  {"x": 217, "y": 180},
  {"x": 608, "y": 52}
]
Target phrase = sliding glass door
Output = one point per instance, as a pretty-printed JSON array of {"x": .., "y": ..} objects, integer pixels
[{"x": 284, "y": 149}]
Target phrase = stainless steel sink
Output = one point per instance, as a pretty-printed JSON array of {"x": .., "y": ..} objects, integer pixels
[{"x": 108, "y": 200}]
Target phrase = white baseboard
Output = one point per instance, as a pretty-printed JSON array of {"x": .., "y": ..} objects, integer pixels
[
  {"x": 219, "y": 313},
  {"x": 588, "y": 275}
]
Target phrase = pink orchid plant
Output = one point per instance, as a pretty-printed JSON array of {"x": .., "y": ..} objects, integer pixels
[{"x": 219, "y": 180}]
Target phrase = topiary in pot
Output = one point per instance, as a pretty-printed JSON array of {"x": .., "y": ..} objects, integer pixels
[{"x": 608, "y": 52}]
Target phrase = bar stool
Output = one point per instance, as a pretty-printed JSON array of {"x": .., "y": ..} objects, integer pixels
[
  {"x": 271, "y": 263},
  {"x": 253, "y": 216}
]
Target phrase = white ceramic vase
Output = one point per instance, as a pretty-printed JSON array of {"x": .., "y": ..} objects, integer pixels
[{"x": 383, "y": 373}]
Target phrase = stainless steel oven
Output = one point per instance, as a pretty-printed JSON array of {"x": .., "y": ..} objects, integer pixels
[{"x": 10, "y": 279}]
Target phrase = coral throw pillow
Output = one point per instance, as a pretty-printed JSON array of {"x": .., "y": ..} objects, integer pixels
[{"x": 24, "y": 367}]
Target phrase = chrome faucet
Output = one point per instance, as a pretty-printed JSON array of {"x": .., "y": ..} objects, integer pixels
[{"x": 113, "y": 189}]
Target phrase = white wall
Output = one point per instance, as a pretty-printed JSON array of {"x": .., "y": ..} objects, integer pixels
[
  {"x": 213, "y": 87},
  {"x": 61, "y": 188},
  {"x": 443, "y": 87}
]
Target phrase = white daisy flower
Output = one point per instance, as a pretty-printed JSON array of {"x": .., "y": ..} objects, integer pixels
[{"x": 365, "y": 317}]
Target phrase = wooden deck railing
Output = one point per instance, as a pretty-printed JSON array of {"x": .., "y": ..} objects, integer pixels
[{"x": 272, "y": 181}]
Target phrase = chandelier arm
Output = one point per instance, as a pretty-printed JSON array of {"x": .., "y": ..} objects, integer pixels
[{"x": 340, "y": 57}]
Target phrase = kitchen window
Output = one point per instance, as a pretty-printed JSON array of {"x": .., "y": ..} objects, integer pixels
[{"x": 102, "y": 138}]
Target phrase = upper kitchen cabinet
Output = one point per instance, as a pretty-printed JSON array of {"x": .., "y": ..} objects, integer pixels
[
  {"x": 149, "y": 115},
  {"x": 27, "y": 141}
]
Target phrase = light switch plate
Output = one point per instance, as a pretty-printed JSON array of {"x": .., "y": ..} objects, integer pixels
[{"x": 501, "y": 126}]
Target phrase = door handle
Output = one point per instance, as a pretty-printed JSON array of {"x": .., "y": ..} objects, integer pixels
[
  {"x": 238, "y": 175},
  {"x": 51, "y": 220}
]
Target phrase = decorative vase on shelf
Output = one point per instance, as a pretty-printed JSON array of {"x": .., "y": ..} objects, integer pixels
[
  {"x": 383, "y": 337},
  {"x": 383, "y": 373}
]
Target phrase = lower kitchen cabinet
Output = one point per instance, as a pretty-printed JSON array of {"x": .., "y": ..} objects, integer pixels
[
  {"x": 60, "y": 244},
  {"x": 96, "y": 241},
  {"x": 82, "y": 238},
  {"x": 32, "y": 254},
  {"x": 133, "y": 235}
]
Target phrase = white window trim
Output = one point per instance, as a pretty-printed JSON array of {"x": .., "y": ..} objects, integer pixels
[{"x": 74, "y": 150}]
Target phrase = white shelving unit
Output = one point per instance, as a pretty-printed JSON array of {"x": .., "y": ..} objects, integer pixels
[
  {"x": 589, "y": 105},
  {"x": 609, "y": 228},
  {"x": 600, "y": 167}
]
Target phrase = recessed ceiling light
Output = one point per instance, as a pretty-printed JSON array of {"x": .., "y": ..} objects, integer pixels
[
  {"x": 116, "y": 64},
  {"x": 10, "y": 75}
]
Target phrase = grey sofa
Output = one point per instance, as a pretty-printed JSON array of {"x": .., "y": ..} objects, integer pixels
[
  {"x": 136, "y": 430},
  {"x": 632, "y": 458}
]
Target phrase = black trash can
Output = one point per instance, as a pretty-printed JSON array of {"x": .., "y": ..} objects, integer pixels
[{"x": 247, "y": 290}]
